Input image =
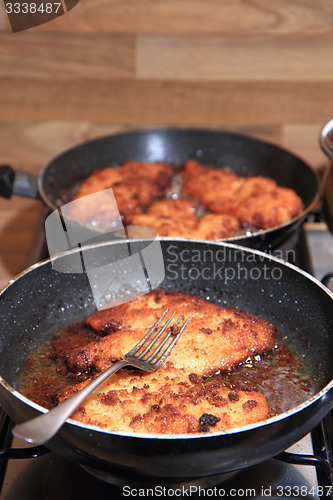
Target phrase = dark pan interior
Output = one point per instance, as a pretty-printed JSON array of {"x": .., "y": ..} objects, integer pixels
[
  {"x": 44, "y": 300},
  {"x": 244, "y": 155}
]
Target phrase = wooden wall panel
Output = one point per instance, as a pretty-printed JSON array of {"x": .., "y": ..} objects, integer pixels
[
  {"x": 237, "y": 17},
  {"x": 230, "y": 58},
  {"x": 161, "y": 102},
  {"x": 121, "y": 61},
  {"x": 43, "y": 55},
  {"x": 37, "y": 143}
]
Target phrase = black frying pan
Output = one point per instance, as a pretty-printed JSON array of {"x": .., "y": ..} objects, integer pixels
[
  {"x": 244, "y": 155},
  {"x": 41, "y": 300}
]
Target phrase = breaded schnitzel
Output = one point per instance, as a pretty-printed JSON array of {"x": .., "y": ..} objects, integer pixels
[
  {"x": 144, "y": 195},
  {"x": 167, "y": 401},
  {"x": 135, "y": 186},
  {"x": 215, "y": 339},
  {"x": 179, "y": 218},
  {"x": 257, "y": 202},
  {"x": 179, "y": 397}
]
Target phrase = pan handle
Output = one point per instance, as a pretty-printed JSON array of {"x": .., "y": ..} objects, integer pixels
[
  {"x": 21, "y": 453},
  {"x": 19, "y": 183}
]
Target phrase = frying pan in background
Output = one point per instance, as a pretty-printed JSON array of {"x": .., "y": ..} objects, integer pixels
[
  {"x": 58, "y": 181},
  {"x": 42, "y": 300}
]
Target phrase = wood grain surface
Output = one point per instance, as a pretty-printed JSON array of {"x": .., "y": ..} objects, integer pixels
[
  {"x": 259, "y": 67},
  {"x": 240, "y": 17}
]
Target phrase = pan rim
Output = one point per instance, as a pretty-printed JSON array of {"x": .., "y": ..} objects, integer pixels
[
  {"x": 238, "y": 238},
  {"x": 316, "y": 397}
]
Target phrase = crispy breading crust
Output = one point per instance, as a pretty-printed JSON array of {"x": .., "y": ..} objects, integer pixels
[
  {"x": 177, "y": 398},
  {"x": 135, "y": 186},
  {"x": 178, "y": 218},
  {"x": 168, "y": 401},
  {"x": 216, "y": 338},
  {"x": 236, "y": 203},
  {"x": 257, "y": 202}
]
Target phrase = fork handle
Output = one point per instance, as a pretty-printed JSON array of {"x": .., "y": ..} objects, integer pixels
[{"x": 40, "y": 429}]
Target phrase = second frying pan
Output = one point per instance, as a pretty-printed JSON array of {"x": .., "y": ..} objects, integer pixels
[{"x": 244, "y": 155}]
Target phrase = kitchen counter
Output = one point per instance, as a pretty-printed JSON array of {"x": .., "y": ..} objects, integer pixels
[{"x": 18, "y": 221}]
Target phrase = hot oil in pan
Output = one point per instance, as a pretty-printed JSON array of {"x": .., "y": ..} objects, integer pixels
[
  {"x": 44, "y": 372},
  {"x": 284, "y": 379}
]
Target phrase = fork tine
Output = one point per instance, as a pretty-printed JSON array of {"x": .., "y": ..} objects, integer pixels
[
  {"x": 155, "y": 339},
  {"x": 138, "y": 346},
  {"x": 162, "y": 344},
  {"x": 167, "y": 351}
]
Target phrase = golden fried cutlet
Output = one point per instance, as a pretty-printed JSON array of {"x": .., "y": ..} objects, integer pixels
[
  {"x": 264, "y": 205},
  {"x": 140, "y": 189},
  {"x": 168, "y": 401},
  {"x": 213, "y": 188},
  {"x": 215, "y": 339},
  {"x": 180, "y": 397},
  {"x": 135, "y": 186},
  {"x": 178, "y": 218},
  {"x": 168, "y": 217},
  {"x": 257, "y": 202},
  {"x": 216, "y": 226},
  {"x": 183, "y": 210}
]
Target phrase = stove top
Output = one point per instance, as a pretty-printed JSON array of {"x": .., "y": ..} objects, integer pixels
[
  {"x": 310, "y": 475},
  {"x": 52, "y": 477}
]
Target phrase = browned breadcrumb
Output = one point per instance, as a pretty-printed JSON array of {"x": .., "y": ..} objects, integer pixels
[
  {"x": 180, "y": 397},
  {"x": 232, "y": 204}
]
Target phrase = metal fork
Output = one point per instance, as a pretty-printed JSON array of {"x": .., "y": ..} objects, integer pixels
[{"x": 148, "y": 355}]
